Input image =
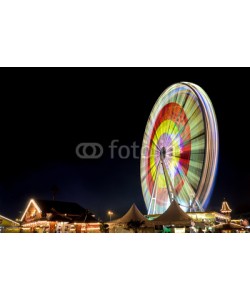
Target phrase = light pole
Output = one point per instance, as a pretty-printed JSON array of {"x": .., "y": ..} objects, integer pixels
[{"x": 110, "y": 213}]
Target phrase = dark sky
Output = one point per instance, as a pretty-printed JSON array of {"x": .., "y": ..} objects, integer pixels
[{"x": 45, "y": 114}]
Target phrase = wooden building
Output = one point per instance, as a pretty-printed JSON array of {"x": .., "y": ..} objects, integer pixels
[
  {"x": 229, "y": 228},
  {"x": 43, "y": 216}
]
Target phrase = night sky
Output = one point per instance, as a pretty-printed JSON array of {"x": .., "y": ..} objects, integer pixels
[{"x": 46, "y": 114}]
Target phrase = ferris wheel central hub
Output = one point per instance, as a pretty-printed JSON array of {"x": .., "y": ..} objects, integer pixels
[{"x": 163, "y": 153}]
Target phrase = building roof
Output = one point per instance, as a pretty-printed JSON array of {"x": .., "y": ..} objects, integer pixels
[
  {"x": 225, "y": 209},
  {"x": 174, "y": 215},
  {"x": 133, "y": 214},
  {"x": 59, "y": 218},
  {"x": 63, "y": 211},
  {"x": 4, "y": 221},
  {"x": 89, "y": 218},
  {"x": 61, "y": 207},
  {"x": 228, "y": 226}
]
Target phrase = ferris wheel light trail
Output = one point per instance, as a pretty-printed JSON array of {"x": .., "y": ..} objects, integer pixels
[{"x": 179, "y": 150}]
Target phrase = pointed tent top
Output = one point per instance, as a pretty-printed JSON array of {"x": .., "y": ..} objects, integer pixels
[
  {"x": 225, "y": 209},
  {"x": 132, "y": 214},
  {"x": 174, "y": 215}
]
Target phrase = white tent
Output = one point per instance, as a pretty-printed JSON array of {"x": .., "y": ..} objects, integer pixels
[
  {"x": 133, "y": 214},
  {"x": 174, "y": 215}
]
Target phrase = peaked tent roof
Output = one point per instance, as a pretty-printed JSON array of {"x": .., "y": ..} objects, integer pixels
[
  {"x": 174, "y": 215},
  {"x": 132, "y": 214}
]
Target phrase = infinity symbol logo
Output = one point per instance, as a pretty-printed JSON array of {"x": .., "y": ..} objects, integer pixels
[{"x": 89, "y": 150}]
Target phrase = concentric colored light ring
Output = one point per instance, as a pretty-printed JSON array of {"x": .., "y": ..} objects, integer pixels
[{"x": 183, "y": 127}]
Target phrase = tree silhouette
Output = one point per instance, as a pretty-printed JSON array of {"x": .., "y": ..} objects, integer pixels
[
  {"x": 134, "y": 225},
  {"x": 104, "y": 228}
]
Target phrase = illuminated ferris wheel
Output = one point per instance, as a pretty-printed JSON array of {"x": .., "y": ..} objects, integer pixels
[{"x": 179, "y": 150}]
